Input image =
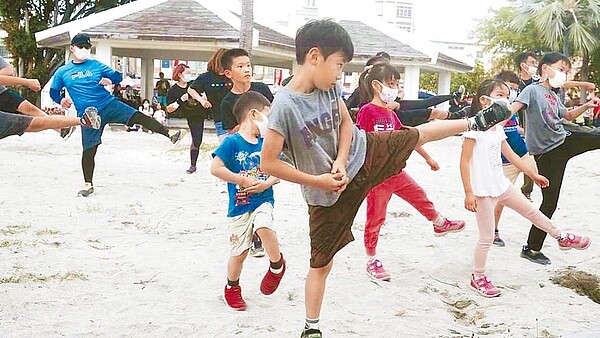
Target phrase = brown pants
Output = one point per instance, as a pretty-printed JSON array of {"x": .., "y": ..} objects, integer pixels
[{"x": 330, "y": 227}]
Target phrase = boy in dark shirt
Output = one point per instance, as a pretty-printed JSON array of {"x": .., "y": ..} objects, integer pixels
[{"x": 237, "y": 67}]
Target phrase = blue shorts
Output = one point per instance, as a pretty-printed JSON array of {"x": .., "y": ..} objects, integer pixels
[
  {"x": 162, "y": 100},
  {"x": 114, "y": 112},
  {"x": 219, "y": 128},
  {"x": 13, "y": 124}
]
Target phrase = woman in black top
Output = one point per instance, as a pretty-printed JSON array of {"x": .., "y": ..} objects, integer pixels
[
  {"x": 215, "y": 85},
  {"x": 182, "y": 105}
]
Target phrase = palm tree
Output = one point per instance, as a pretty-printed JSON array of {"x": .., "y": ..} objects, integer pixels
[
  {"x": 570, "y": 25},
  {"x": 247, "y": 25}
]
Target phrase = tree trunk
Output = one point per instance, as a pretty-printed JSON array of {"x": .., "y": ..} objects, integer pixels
[
  {"x": 247, "y": 25},
  {"x": 585, "y": 73}
]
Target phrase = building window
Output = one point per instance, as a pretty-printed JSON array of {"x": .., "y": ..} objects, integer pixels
[
  {"x": 3, "y": 51},
  {"x": 456, "y": 47},
  {"x": 310, "y": 3},
  {"x": 479, "y": 54},
  {"x": 403, "y": 11},
  {"x": 404, "y": 26}
]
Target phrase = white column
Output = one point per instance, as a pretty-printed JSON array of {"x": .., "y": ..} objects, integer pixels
[
  {"x": 411, "y": 82},
  {"x": 147, "y": 84},
  {"x": 444, "y": 87},
  {"x": 104, "y": 53}
]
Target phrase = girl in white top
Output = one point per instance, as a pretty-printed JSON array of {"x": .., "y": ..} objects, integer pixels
[
  {"x": 145, "y": 108},
  {"x": 160, "y": 115},
  {"x": 486, "y": 186}
]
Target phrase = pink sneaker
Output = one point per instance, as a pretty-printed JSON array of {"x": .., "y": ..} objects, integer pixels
[
  {"x": 483, "y": 286},
  {"x": 448, "y": 227},
  {"x": 572, "y": 241},
  {"x": 376, "y": 271}
]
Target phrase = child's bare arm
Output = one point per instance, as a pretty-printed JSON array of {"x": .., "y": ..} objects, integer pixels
[
  {"x": 516, "y": 106},
  {"x": 430, "y": 161},
  {"x": 345, "y": 136},
  {"x": 218, "y": 169},
  {"x": 574, "y": 113},
  {"x": 274, "y": 166},
  {"x": 465, "y": 173},
  {"x": 528, "y": 168}
]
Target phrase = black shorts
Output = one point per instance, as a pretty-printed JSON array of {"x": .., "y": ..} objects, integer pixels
[
  {"x": 10, "y": 101},
  {"x": 13, "y": 124}
]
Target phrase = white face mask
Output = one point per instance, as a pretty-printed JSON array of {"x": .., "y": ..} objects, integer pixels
[
  {"x": 146, "y": 105},
  {"x": 501, "y": 101},
  {"x": 188, "y": 77},
  {"x": 262, "y": 125},
  {"x": 532, "y": 70},
  {"x": 558, "y": 80},
  {"x": 388, "y": 94},
  {"x": 513, "y": 96},
  {"x": 82, "y": 53}
]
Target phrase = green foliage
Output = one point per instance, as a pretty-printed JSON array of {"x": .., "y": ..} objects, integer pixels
[
  {"x": 429, "y": 81},
  {"x": 470, "y": 80},
  {"x": 563, "y": 24},
  {"x": 501, "y": 37},
  {"x": 39, "y": 15}
]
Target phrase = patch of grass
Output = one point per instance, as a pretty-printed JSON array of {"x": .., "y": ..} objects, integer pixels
[
  {"x": 14, "y": 229},
  {"x": 208, "y": 147},
  {"x": 47, "y": 232},
  {"x": 38, "y": 278},
  {"x": 583, "y": 283}
]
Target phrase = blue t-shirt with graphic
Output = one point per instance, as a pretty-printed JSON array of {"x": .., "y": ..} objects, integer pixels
[
  {"x": 82, "y": 81},
  {"x": 243, "y": 158},
  {"x": 514, "y": 138}
]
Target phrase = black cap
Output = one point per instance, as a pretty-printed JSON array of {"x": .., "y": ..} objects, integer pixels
[{"x": 81, "y": 39}]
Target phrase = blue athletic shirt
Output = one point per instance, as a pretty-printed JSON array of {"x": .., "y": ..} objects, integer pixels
[
  {"x": 82, "y": 81},
  {"x": 243, "y": 158},
  {"x": 514, "y": 139}
]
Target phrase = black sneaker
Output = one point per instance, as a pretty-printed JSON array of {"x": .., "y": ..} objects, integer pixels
[
  {"x": 176, "y": 138},
  {"x": 489, "y": 117},
  {"x": 534, "y": 256},
  {"x": 497, "y": 240},
  {"x": 311, "y": 333},
  {"x": 66, "y": 132},
  {"x": 257, "y": 249},
  {"x": 459, "y": 94}
]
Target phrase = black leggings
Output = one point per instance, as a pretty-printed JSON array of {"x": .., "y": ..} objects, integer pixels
[
  {"x": 197, "y": 131},
  {"x": 552, "y": 165},
  {"x": 148, "y": 123},
  {"x": 88, "y": 162},
  {"x": 425, "y": 103}
]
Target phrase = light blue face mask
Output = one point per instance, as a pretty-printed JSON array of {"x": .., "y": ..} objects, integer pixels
[{"x": 513, "y": 96}]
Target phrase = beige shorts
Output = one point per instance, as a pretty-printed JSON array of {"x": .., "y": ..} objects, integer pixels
[
  {"x": 512, "y": 172},
  {"x": 243, "y": 226}
]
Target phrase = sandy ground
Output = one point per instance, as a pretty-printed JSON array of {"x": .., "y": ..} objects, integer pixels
[{"x": 145, "y": 255}]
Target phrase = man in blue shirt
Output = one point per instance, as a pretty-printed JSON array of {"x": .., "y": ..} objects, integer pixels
[{"x": 84, "y": 79}]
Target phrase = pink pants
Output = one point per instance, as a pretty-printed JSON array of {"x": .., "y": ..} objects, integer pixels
[
  {"x": 378, "y": 198},
  {"x": 514, "y": 199}
]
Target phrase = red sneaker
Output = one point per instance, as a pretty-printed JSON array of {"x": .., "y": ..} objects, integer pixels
[
  {"x": 270, "y": 281},
  {"x": 233, "y": 298},
  {"x": 572, "y": 241},
  {"x": 447, "y": 227},
  {"x": 484, "y": 286}
]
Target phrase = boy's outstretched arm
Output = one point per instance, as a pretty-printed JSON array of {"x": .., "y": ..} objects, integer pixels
[{"x": 272, "y": 165}]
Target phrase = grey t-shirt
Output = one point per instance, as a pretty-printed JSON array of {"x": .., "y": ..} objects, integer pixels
[
  {"x": 3, "y": 64},
  {"x": 310, "y": 126},
  {"x": 544, "y": 111}
]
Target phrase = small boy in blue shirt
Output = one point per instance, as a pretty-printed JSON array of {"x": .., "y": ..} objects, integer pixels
[
  {"x": 85, "y": 79},
  {"x": 237, "y": 161}
]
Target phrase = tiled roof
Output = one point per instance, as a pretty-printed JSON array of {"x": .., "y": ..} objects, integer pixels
[
  {"x": 368, "y": 41},
  {"x": 184, "y": 20}
]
